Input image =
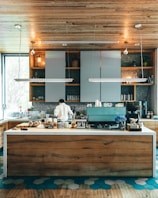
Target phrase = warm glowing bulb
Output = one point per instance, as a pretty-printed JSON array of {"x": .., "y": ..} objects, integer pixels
[
  {"x": 125, "y": 52},
  {"x": 32, "y": 52},
  {"x": 38, "y": 59}
]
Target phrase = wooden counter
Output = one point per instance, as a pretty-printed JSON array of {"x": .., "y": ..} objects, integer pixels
[
  {"x": 153, "y": 125},
  {"x": 79, "y": 152}
]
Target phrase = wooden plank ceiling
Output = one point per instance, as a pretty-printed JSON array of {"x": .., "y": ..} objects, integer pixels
[{"x": 45, "y": 21}]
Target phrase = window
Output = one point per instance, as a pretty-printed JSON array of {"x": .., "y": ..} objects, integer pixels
[
  {"x": 16, "y": 94},
  {"x": 1, "y": 109}
]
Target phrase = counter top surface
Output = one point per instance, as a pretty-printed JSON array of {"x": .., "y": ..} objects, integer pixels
[
  {"x": 25, "y": 119},
  {"x": 14, "y": 119},
  {"x": 70, "y": 131},
  {"x": 148, "y": 120}
]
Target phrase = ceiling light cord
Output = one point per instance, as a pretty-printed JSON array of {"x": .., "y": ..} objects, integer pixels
[
  {"x": 139, "y": 27},
  {"x": 19, "y": 57},
  {"x": 68, "y": 62},
  {"x": 101, "y": 63},
  {"x": 32, "y": 52},
  {"x": 125, "y": 52},
  {"x": 141, "y": 51}
]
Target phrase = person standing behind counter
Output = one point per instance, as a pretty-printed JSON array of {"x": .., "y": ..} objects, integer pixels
[{"x": 63, "y": 111}]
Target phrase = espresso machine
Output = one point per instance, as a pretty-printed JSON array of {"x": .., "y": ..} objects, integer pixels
[{"x": 139, "y": 108}]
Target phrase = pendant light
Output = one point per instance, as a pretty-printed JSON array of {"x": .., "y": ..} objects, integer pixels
[
  {"x": 121, "y": 80},
  {"x": 37, "y": 80},
  {"x": 43, "y": 80},
  {"x": 125, "y": 80},
  {"x": 19, "y": 28},
  {"x": 139, "y": 27},
  {"x": 32, "y": 52},
  {"x": 125, "y": 52}
]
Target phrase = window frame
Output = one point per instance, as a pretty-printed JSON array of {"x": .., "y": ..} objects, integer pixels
[{"x": 3, "y": 76}]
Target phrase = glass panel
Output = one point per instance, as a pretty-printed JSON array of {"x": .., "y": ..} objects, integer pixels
[
  {"x": 1, "y": 111},
  {"x": 16, "y": 93}
]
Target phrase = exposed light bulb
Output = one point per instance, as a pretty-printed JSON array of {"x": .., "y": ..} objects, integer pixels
[
  {"x": 138, "y": 26},
  {"x": 32, "y": 52},
  {"x": 18, "y": 26},
  {"x": 38, "y": 59},
  {"x": 125, "y": 52}
]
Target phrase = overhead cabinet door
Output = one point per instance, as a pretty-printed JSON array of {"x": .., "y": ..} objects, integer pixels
[
  {"x": 89, "y": 68},
  {"x": 110, "y": 68},
  {"x": 55, "y": 68},
  {"x": 96, "y": 64}
]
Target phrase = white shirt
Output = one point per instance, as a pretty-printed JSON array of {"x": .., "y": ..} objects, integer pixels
[{"x": 62, "y": 111}]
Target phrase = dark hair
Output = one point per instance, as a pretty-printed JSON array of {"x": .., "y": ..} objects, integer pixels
[{"x": 61, "y": 100}]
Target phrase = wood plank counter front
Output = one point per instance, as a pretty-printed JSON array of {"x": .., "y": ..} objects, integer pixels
[{"x": 79, "y": 152}]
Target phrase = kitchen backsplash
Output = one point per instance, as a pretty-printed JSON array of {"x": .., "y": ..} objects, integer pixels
[
  {"x": 49, "y": 107},
  {"x": 79, "y": 108}
]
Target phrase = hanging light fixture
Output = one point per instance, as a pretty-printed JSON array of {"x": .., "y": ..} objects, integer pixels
[
  {"x": 125, "y": 52},
  {"x": 125, "y": 80},
  {"x": 37, "y": 80},
  {"x": 139, "y": 27},
  {"x": 114, "y": 80},
  {"x": 43, "y": 80},
  {"x": 19, "y": 27},
  {"x": 32, "y": 52}
]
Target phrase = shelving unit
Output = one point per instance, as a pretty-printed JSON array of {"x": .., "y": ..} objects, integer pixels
[
  {"x": 72, "y": 70},
  {"x": 130, "y": 67},
  {"x": 37, "y": 70}
]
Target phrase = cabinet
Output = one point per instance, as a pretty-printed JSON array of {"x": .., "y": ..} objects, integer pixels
[
  {"x": 82, "y": 65},
  {"x": 96, "y": 64},
  {"x": 72, "y": 70},
  {"x": 131, "y": 68},
  {"x": 55, "y": 68},
  {"x": 55, "y": 64},
  {"x": 37, "y": 70}
]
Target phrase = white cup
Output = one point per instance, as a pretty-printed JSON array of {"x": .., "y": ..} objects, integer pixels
[{"x": 66, "y": 125}]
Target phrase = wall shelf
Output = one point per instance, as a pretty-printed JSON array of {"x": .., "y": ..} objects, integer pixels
[
  {"x": 43, "y": 68},
  {"x": 37, "y": 70},
  {"x": 130, "y": 67},
  {"x": 137, "y": 84},
  {"x": 73, "y": 85},
  {"x": 72, "y": 70},
  {"x": 135, "y": 68}
]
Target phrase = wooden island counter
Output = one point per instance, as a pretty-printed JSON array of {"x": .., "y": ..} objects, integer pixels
[{"x": 79, "y": 152}]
